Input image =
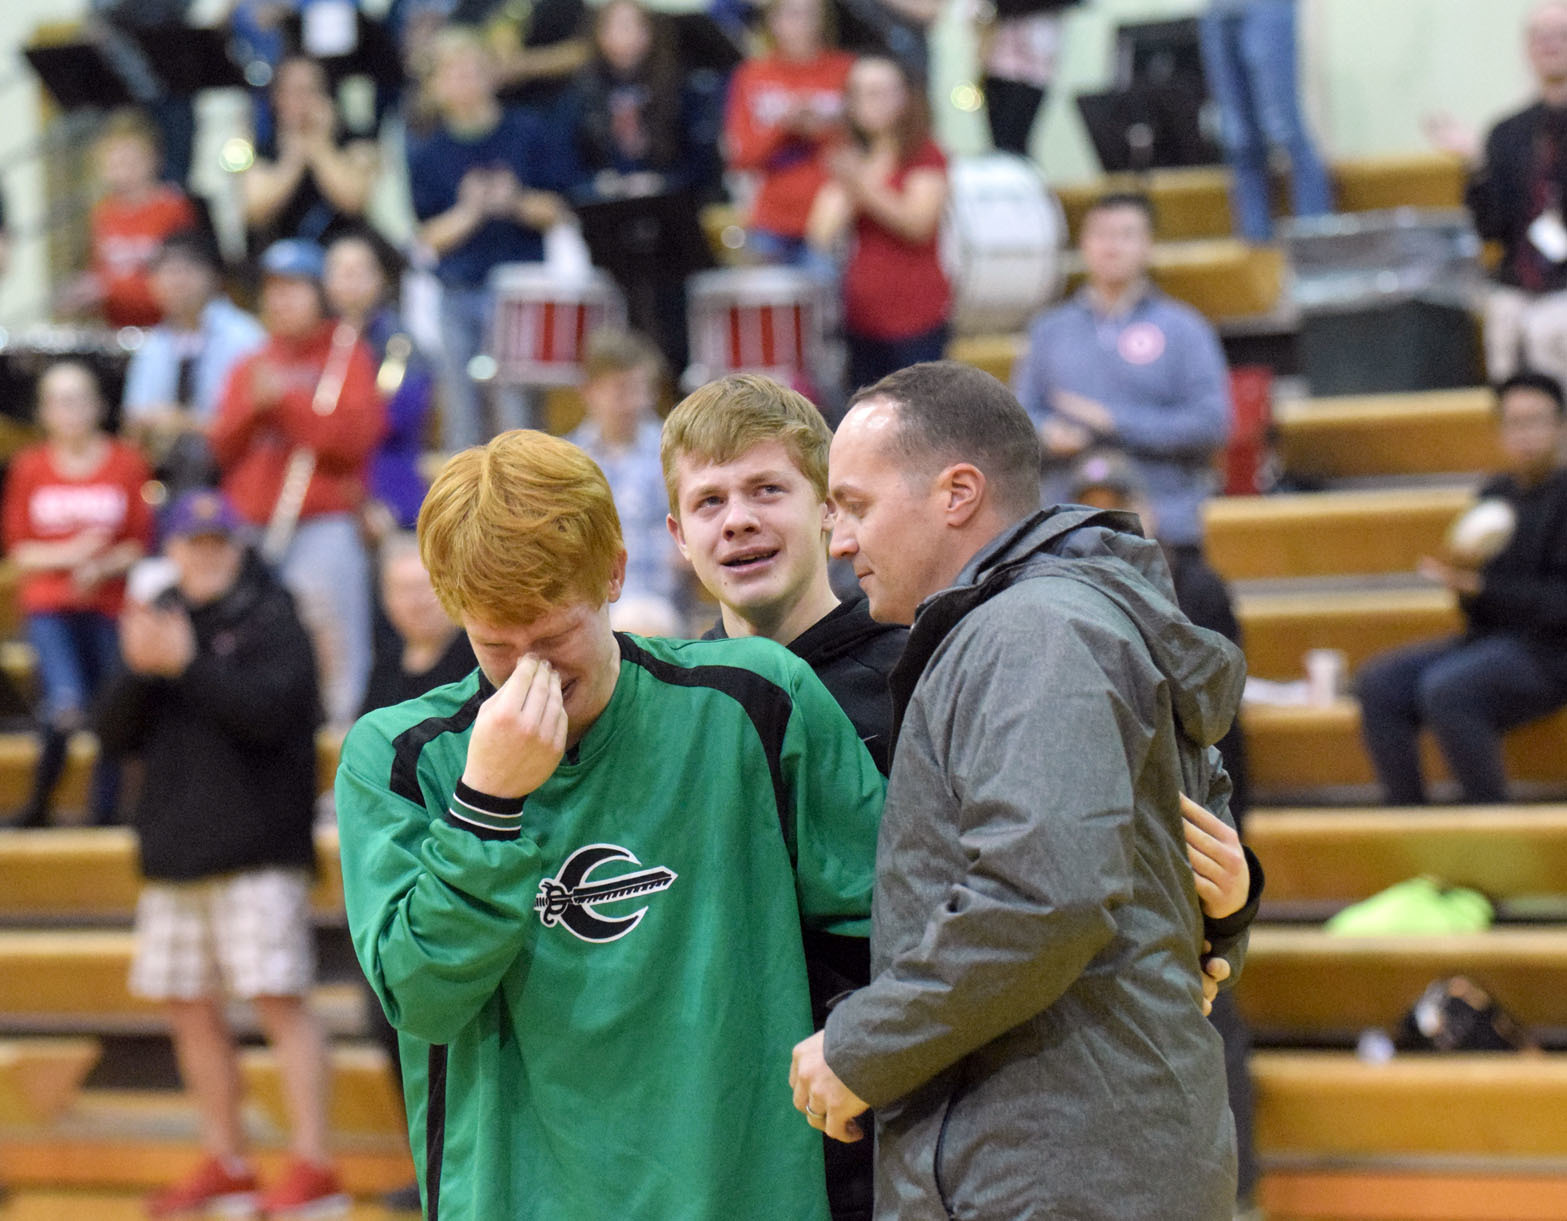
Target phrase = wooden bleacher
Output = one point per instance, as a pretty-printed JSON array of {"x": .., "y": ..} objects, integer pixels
[
  {"x": 1220, "y": 277},
  {"x": 1302, "y": 982},
  {"x": 362, "y": 1099},
  {"x": 1326, "y": 1105},
  {"x": 1195, "y": 203},
  {"x": 1316, "y": 534},
  {"x": 1345, "y": 855},
  {"x": 74, "y": 980},
  {"x": 1429, "y": 432},
  {"x": 1295, "y": 749},
  {"x": 1279, "y": 627},
  {"x": 19, "y": 756},
  {"x": 90, "y": 873},
  {"x": 39, "y": 1077}
]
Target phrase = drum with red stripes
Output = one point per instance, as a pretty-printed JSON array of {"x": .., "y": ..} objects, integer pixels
[
  {"x": 542, "y": 320},
  {"x": 769, "y": 320}
]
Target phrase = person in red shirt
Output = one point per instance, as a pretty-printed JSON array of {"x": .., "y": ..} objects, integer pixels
[
  {"x": 785, "y": 110},
  {"x": 887, "y": 192},
  {"x": 128, "y": 224},
  {"x": 75, "y": 519},
  {"x": 293, "y": 437}
]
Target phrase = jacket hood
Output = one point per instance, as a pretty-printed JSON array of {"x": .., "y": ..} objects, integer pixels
[{"x": 1106, "y": 549}]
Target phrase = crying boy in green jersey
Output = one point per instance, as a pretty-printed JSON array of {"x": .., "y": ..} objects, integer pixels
[{"x": 576, "y": 879}]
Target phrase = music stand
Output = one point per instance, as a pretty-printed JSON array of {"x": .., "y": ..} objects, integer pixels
[
  {"x": 79, "y": 75},
  {"x": 700, "y": 42},
  {"x": 188, "y": 59},
  {"x": 1147, "y": 127},
  {"x": 644, "y": 235}
]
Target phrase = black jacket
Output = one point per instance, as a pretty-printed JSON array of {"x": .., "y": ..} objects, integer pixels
[
  {"x": 1499, "y": 195},
  {"x": 1524, "y": 590},
  {"x": 852, "y": 654},
  {"x": 229, "y": 746}
]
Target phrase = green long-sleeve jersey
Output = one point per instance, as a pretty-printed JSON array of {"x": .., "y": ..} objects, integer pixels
[{"x": 597, "y": 989}]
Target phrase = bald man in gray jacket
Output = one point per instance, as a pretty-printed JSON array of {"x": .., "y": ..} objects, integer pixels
[{"x": 1033, "y": 1038}]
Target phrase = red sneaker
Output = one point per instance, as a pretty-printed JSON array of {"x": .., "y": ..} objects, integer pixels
[
  {"x": 209, "y": 1191},
  {"x": 305, "y": 1191}
]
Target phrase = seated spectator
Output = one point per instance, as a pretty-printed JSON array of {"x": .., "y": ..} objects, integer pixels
[
  {"x": 1510, "y": 664},
  {"x": 358, "y": 283},
  {"x": 639, "y": 136},
  {"x": 1248, "y": 54},
  {"x": 887, "y": 192},
  {"x": 219, "y": 702},
  {"x": 785, "y": 110},
  {"x": 621, "y": 433},
  {"x": 483, "y": 188},
  {"x": 1124, "y": 366},
  {"x": 75, "y": 520},
  {"x": 293, "y": 438},
  {"x": 1516, "y": 185},
  {"x": 128, "y": 224},
  {"x": 310, "y": 180},
  {"x": 177, "y": 375}
]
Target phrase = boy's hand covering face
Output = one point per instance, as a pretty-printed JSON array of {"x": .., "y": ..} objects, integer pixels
[{"x": 519, "y": 735}]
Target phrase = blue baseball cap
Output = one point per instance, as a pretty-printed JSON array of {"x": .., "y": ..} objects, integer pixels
[
  {"x": 202, "y": 511},
  {"x": 294, "y": 258}
]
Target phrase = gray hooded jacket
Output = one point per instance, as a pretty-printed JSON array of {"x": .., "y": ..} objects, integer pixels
[{"x": 1032, "y": 1038}]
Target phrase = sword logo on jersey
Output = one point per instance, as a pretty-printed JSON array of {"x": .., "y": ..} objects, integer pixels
[{"x": 569, "y": 898}]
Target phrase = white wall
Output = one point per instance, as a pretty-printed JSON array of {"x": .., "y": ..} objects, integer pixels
[{"x": 1370, "y": 70}]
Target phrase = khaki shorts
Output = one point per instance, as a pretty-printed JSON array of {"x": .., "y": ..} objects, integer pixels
[{"x": 249, "y": 932}]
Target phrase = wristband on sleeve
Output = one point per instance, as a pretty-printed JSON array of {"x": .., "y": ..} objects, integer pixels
[{"x": 483, "y": 815}]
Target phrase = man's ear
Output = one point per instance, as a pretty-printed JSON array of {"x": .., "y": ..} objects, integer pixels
[
  {"x": 677, "y": 532},
  {"x": 961, "y": 488},
  {"x": 617, "y": 577}
]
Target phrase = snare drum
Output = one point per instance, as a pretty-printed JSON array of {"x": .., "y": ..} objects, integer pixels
[
  {"x": 769, "y": 320},
  {"x": 542, "y": 320},
  {"x": 1000, "y": 243}
]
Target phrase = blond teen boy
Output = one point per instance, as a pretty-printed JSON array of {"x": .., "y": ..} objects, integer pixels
[{"x": 576, "y": 879}]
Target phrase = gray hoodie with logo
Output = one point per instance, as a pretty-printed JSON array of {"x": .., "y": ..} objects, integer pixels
[{"x": 1032, "y": 1039}]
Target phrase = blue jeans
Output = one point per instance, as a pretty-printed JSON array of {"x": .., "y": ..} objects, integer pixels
[
  {"x": 78, "y": 652},
  {"x": 1249, "y": 59},
  {"x": 1468, "y": 693},
  {"x": 465, "y": 329}
]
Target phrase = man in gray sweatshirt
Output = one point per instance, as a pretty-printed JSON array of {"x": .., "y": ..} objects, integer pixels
[{"x": 1032, "y": 1038}]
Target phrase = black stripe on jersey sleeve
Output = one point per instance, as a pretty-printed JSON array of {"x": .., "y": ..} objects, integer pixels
[
  {"x": 765, "y": 702},
  {"x": 407, "y": 746}
]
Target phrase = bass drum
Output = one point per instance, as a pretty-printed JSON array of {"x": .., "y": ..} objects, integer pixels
[{"x": 1000, "y": 243}]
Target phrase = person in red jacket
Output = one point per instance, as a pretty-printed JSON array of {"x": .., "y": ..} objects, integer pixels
[
  {"x": 785, "y": 110},
  {"x": 887, "y": 194},
  {"x": 75, "y": 520},
  {"x": 293, "y": 437}
]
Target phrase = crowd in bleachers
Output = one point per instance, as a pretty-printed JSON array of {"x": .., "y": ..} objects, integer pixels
[{"x": 294, "y": 393}]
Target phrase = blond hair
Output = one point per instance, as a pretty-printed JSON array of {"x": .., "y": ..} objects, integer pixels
[
  {"x": 611, "y": 350},
  {"x": 723, "y": 419},
  {"x": 516, "y": 528}
]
